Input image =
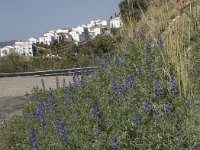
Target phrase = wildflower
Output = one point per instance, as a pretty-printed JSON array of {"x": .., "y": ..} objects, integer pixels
[
  {"x": 43, "y": 84},
  {"x": 152, "y": 69},
  {"x": 57, "y": 83},
  {"x": 142, "y": 32},
  {"x": 146, "y": 106},
  {"x": 52, "y": 97},
  {"x": 121, "y": 87},
  {"x": 32, "y": 138},
  {"x": 107, "y": 57},
  {"x": 115, "y": 144},
  {"x": 159, "y": 41},
  {"x": 64, "y": 83},
  {"x": 146, "y": 61},
  {"x": 173, "y": 86},
  {"x": 95, "y": 112},
  {"x": 123, "y": 63},
  {"x": 157, "y": 89},
  {"x": 129, "y": 82},
  {"x": 166, "y": 107},
  {"x": 75, "y": 75},
  {"x": 136, "y": 118},
  {"x": 61, "y": 131},
  {"x": 114, "y": 91},
  {"x": 189, "y": 148},
  {"x": 116, "y": 60},
  {"x": 148, "y": 43},
  {"x": 101, "y": 63}
]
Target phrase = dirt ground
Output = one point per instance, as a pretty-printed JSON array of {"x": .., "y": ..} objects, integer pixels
[{"x": 13, "y": 90}]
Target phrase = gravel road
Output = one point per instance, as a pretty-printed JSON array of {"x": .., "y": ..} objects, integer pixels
[{"x": 13, "y": 89}]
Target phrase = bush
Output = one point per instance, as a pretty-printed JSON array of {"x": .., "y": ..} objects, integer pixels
[{"x": 128, "y": 103}]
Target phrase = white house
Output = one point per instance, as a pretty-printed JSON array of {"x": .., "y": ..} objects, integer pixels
[
  {"x": 96, "y": 30},
  {"x": 6, "y": 50},
  {"x": 77, "y": 37},
  {"x": 66, "y": 30},
  {"x": 24, "y": 48},
  {"x": 115, "y": 22},
  {"x": 33, "y": 40},
  {"x": 79, "y": 29}
]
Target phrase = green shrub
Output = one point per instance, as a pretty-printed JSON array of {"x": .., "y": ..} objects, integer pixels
[{"x": 128, "y": 103}]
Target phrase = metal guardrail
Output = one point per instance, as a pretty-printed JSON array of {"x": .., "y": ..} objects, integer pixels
[{"x": 47, "y": 72}]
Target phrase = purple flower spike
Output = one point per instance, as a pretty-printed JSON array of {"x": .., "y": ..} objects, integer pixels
[
  {"x": 32, "y": 138},
  {"x": 61, "y": 131},
  {"x": 101, "y": 63},
  {"x": 142, "y": 32},
  {"x": 173, "y": 86},
  {"x": 115, "y": 144},
  {"x": 152, "y": 70},
  {"x": 95, "y": 112},
  {"x": 136, "y": 118},
  {"x": 107, "y": 57},
  {"x": 57, "y": 83},
  {"x": 160, "y": 41},
  {"x": 157, "y": 89},
  {"x": 123, "y": 63},
  {"x": 52, "y": 97},
  {"x": 75, "y": 76},
  {"x": 167, "y": 107},
  {"x": 43, "y": 84},
  {"x": 189, "y": 148},
  {"x": 148, "y": 43},
  {"x": 146, "y": 106},
  {"x": 116, "y": 60}
]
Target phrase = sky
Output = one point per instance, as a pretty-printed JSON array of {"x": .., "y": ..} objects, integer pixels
[{"x": 22, "y": 19}]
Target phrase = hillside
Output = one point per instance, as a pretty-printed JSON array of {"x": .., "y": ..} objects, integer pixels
[{"x": 12, "y": 42}]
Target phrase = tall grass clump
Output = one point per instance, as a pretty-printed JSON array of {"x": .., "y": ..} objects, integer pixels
[{"x": 129, "y": 102}]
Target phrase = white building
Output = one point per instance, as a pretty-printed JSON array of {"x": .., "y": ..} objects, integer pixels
[
  {"x": 33, "y": 40},
  {"x": 115, "y": 22},
  {"x": 6, "y": 50},
  {"x": 96, "y": 30},
  {"x": 77, "y": 37},
  {"x": 24, "y": 48}
]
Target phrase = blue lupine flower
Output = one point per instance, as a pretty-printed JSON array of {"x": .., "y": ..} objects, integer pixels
[
  {"x": 160, "y": 41},
  {"x": 64, "y": 83},
  {"x": 115, "y": 143},
  {"x": 101, "y": 63},
  {"x": 152, "y": 69},
  {"x": 136, "y": 118},
  {"x": 107, "y": 57},
  {"x": 139, "y": 70},
  {"x": 146, "y": 106},
  {"x": 57, "y": 83},
  {"x": 189, "y": 148},
  {"x": 75, "y": 76},
  {"x": 43, "y": 84},
  {"x": 142, "y": 32},
  {"x": 95, "y": 112},
  {"x": 52, "y": 97},
  {"x": 123, "y": 63},
  {"x": 157, "y": 89},
  {"x": 32, "y": 138},
  {"x": 148, "y": 43},
  {"x": 61, "y": 131},
  {"x": 122, "y": 87},
  {"x": 114, "y": 91},
  {"x": 146, "y": 61},
  {"x": 173, "y": 86},
  {"x": 116, "y": 60},
  {"x": 166, "y": 107},
  {"x": 129, "y": 82}
]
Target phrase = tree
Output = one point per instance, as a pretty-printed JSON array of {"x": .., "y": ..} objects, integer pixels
[{"x": 132, "y": 9}]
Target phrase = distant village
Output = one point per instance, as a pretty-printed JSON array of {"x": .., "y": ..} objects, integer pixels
[{"x": 78, "y": 35}]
